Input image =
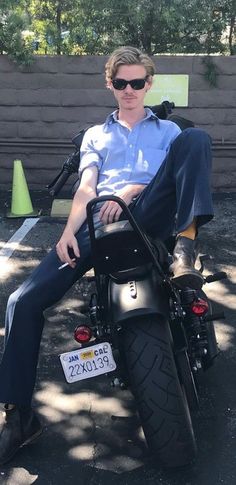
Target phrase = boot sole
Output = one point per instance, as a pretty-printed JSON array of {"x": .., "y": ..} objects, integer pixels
[
  {"x": 26, "y": 442},
  {"x": 189, "y": 280}
]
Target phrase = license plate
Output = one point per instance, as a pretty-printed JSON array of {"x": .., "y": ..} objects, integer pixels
[{"x": 87, "y": 362}]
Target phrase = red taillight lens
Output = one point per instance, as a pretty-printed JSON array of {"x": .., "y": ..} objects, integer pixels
[
  {"x": 199, "y": 307},
  {"x": 83, "y": 334}
]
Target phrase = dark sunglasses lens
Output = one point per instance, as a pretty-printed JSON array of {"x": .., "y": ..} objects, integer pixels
[
  {"x": 137, "y": 83},
  {"x": 119, "y": 84}
]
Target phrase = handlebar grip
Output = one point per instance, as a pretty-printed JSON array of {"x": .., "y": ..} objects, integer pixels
[{"x": 59, "y": 184}]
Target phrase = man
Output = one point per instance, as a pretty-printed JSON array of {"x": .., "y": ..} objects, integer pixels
[{"x": 161, "y": 173}]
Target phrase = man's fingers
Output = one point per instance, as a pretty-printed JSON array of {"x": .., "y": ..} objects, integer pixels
[
  {"x": 114, "y": 214},
  {"x": 75, "y": 248},
  {"x": 67, "y": 251},
  {"x": 103, "y": 210},
  {"x": 117, "y": 214},
  {"x": 110, "y": 212},
  {"x": 62, "y": 252},
  {"x": 72, "y": 252}
]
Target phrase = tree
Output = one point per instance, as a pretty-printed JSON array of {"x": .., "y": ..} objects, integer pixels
[
  {"x": 228, "y": 13},
  {"x": 50, "y": 20},
  {"x": 154, "y": 25},
  {"x": 92, "y": 27},
  {"x": 207, "y": 24},
  {"x": 13, "y": 21}
]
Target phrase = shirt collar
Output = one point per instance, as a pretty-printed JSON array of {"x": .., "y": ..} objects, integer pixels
[{"x": 113, "y": 117}]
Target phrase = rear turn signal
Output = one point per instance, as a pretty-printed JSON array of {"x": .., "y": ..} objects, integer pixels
[
  {"x": 83, "y": 334},
  {"x": 199, "y": 307}
]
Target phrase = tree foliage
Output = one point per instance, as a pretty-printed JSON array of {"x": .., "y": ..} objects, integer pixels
[
  {"x": 13, "y": 21},
  {"x": 92, "y": 27}
]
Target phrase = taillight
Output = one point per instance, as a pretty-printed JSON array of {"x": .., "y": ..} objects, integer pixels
[
  {"x": 199, "y": 307},
  {"x": 83, "y": 334}
]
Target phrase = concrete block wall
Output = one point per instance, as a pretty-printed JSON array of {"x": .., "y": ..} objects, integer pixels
[{"x": 44, "y": 106}]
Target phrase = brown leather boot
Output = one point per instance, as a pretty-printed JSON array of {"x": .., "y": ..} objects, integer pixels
[
  {"x": 20, "y": 427},
  {"x": 185, "y": 275}
]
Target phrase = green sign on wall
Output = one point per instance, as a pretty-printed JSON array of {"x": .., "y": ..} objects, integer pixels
[{"x": 170, "y": 87}]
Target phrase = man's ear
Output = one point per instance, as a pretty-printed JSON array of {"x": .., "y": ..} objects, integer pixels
[
  {"x": 109, "y": 85},
  {"x": 149, "y": 83}
]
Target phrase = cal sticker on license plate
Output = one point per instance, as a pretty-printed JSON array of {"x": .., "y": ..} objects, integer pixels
[
  {"x": 88, "y": 362},
  {"x": 87, "y": 354}
]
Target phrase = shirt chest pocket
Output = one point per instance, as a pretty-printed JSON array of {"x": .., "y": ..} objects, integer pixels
[{"x": 149, "y": 160}]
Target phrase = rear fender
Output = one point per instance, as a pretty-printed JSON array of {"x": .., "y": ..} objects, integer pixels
[{"x": 138, "y": 297}]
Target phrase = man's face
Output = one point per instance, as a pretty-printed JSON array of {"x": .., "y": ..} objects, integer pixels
[{"x": 130, "y": 98}]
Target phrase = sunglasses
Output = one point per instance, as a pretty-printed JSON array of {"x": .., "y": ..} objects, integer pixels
[{"x": 136, "y": 84}]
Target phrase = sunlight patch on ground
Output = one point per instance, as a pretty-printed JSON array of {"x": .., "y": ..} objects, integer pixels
[
  {"x": 16, "y": 246},
  {"x": 224, "y": 335},
  {"x": 69, "y": 304},
  {"x": 79, "y": 428},
  {"x": 19, "y": 476},
  {"x": 100, "y": 456},
  {"x": 52, "y": 395},
  {"x": 83, "y": 452},
  {"x": 118, "y": 464},
  {"x": 108, "y": 405},
  {"x": 218, "y": 292},
  {"x": 51, "y": 414},
  {"x": 13, "y": 267}
]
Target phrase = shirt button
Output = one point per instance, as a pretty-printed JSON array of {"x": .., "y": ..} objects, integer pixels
[{"x": 130, "y": 145}]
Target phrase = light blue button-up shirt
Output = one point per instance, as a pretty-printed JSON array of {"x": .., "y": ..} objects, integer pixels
[{"x": 125, "y": 156}]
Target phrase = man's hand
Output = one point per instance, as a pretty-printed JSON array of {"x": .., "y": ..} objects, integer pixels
[
  {"x": 111, "y": 211},
  {"x": 68, "y": 244},
  {"x": 67, "y": 247}
]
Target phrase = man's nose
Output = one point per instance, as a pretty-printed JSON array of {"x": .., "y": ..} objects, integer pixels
[{"x": 128, "y": 89}]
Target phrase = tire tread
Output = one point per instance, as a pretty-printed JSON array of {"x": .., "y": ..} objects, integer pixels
[{"x": 161, "y": 402}]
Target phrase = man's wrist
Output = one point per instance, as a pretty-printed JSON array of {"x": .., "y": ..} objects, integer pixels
[
  {"x": 69, "y": 229},
  {"x": 138, "y": 189}
]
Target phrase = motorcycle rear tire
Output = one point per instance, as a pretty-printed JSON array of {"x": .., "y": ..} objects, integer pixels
[{"x": 160, "y": 399}]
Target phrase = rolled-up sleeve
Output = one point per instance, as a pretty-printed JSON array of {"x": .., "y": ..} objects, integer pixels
[{"x": 89, "y": 156}]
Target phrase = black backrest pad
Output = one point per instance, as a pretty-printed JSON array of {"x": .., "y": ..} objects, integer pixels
[{"x": 118, "y": 248}]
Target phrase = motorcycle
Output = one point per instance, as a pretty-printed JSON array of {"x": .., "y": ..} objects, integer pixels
[{"x": 145, "y": 333}]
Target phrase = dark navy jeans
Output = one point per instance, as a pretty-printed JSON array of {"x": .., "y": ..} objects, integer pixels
[{"x": 179, "y": 192}]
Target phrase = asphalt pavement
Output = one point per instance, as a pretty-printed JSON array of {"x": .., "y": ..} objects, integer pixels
[{"x": 92, "y": 434}]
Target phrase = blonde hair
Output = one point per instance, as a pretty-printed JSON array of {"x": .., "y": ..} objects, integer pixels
[{"x": 128, "y": 55}]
